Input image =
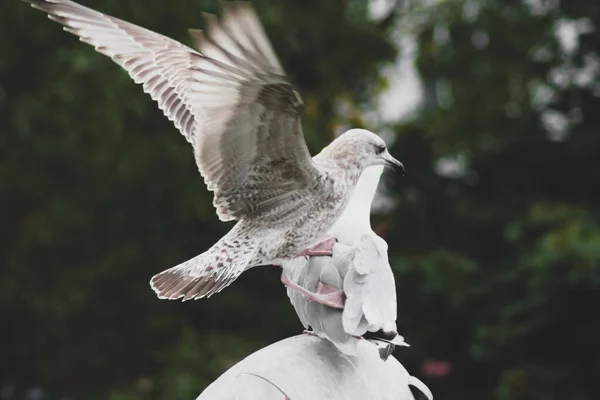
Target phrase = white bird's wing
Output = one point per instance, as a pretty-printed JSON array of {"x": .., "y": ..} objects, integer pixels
[
  {"x": 370, "y": 288},
  {"x": 230, "y": 99},
  {"x": 370, "y": 307}
]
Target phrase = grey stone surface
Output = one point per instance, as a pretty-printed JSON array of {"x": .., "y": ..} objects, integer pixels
[{"x": 306, "y": 367}]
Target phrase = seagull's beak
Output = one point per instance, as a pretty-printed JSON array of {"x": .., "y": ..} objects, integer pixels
[{"x": 392, "y": 163}]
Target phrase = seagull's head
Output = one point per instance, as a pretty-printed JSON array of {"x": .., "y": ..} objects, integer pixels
[{"x": 361, "y": 148}]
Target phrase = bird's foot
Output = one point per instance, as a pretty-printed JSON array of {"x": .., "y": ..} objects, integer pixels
[
  {"x": 330, "y": 296},
  {"x": 321, "y": 248},
  {"x": 326, "y": 295}
]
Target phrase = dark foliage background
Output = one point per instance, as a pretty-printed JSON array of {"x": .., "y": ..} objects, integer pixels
[{"x": 495, "y": 238}]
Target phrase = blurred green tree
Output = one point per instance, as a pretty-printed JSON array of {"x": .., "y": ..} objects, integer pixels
[{"x": 496, "y": 238}]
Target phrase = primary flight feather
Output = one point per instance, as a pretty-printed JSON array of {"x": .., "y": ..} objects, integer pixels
[{"x": 231, "y": 100}]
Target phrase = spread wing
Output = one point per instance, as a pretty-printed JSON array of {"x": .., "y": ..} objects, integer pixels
[{"x": 230, "y": 99}]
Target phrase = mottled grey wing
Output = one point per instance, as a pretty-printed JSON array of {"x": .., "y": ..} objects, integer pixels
[
  {"x": 230, "y": 99},
  {"x": 262, "y": 163}
]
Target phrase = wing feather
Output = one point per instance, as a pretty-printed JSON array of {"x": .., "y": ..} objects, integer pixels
[
  {"x": 370, "y": 288},
  {"x": 230, "y": 99}
]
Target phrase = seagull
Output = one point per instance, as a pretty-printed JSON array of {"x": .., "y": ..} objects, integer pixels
[
  {"x": 355, "y": 285},
  {"x": 231, "y": 99}
]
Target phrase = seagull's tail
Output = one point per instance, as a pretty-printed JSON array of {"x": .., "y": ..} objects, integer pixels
[{"x": 211, "y": 271}]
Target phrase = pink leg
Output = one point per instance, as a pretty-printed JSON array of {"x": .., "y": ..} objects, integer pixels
[
  {"x": 321, "y": 248},
  {"x": 326, "y": 294}
]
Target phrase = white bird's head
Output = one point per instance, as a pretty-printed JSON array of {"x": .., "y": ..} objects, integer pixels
[{"x": 358, "y": 149}]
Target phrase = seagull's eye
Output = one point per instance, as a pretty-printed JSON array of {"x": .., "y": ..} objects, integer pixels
[{"x": 379, "y": 149}]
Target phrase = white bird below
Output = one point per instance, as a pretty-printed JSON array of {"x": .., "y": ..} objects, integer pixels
[{"x": 352, "y": 294}]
